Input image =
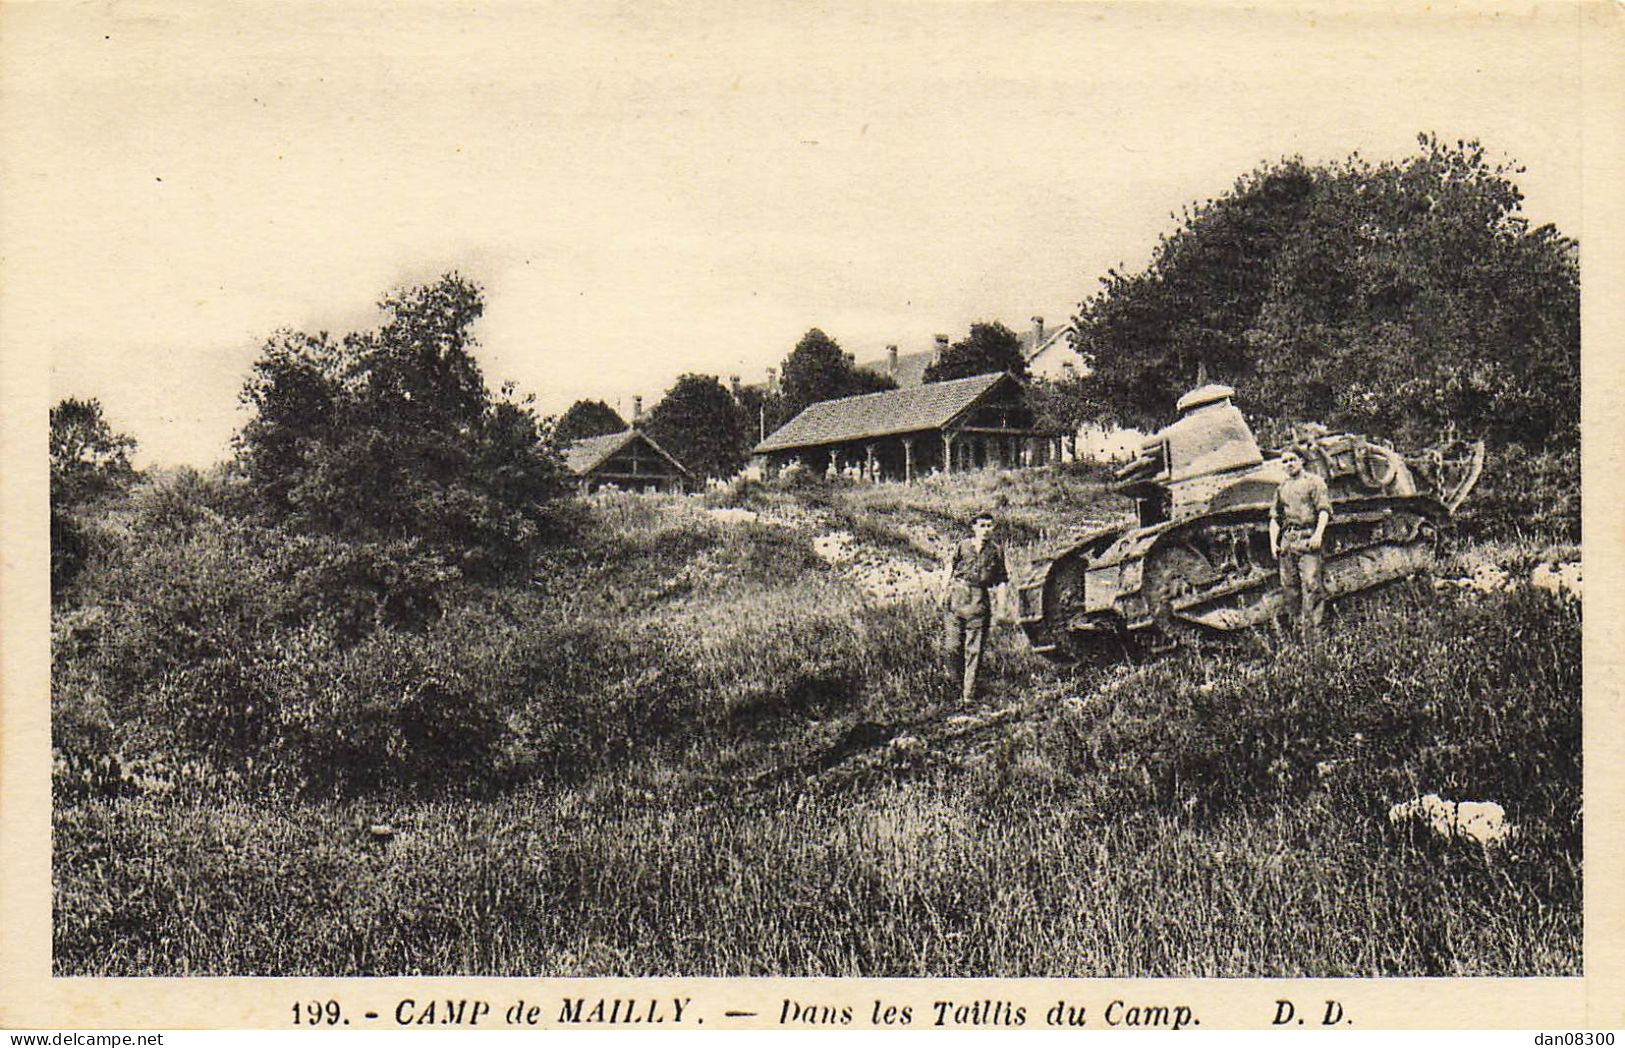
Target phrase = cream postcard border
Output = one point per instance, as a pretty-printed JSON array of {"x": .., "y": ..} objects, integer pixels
[{"x": 31, "y": 998}]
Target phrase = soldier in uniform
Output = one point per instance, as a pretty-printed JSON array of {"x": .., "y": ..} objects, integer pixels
[
  {"x": 975, "y": 566},
  {"x": 1298, "y": 519}
]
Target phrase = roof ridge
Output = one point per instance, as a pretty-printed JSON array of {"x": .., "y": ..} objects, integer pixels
[
  {"x": 592, "y": 451},
  {"x": 904, "y": 389},
  {"x": 602, "y": 436},
  {"x": 901, "y": 355}
]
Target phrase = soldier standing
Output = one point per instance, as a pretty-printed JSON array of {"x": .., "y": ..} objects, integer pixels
[
  {"x": 1298, "y": 519},
  {"x": 975, "y": 566}
]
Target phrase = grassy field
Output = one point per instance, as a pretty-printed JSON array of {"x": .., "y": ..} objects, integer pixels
[{"x": 706, "y": 750}]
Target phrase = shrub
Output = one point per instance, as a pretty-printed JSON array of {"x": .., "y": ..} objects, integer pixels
[
  {"x": 1525, "y": 495},
  {"x": 1385, "y": 702},
  {"x": 797, "y": 476},
  {"x": 391, "y": 435},
  {"x": 308, "y": 664},
  {"x": 737, "y": 492},
  {"x": 89, "y": 463}
]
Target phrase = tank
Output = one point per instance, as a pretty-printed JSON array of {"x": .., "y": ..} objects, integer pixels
[{"x": 1196, "y": 564}]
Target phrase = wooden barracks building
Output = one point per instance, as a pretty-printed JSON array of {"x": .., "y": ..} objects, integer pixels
[{"x": 962, "y": 424}]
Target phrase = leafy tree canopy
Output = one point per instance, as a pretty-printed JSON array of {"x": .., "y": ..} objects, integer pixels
[
  {"x": 1402, "y": 299},
  {"x": 818, "y": 369},
  {"x": 866, "y": 381},
  {"x": 89, "y": 461},
  {"x": 391, "y": 436},
  {"x": 1063, "y": 405},
  {"x": 990, "y": 347},
  {"x": 763, "y": 411},
  {"x": 88, "y": 458},
  {"x": 587, "y": 418},
  {"x": 699, "y": 423}
]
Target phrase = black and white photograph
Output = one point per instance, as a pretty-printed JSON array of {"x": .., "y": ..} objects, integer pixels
[{"x": 926, "y": 491}]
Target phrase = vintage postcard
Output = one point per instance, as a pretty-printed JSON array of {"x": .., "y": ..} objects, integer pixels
[{"x": 876, "y": 516}]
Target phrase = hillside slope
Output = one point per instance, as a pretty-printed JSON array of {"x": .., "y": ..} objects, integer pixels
[{"x": 712, "y": 736}]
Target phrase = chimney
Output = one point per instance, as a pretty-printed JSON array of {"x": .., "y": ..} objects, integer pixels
[
  {"x": 938, "y": 349},
  {"x": 891, "y": 361},
  {"x": 1038, "y": 332},
  {"x": 733, "y": 385},
  {"x": 637, "y": 409}
]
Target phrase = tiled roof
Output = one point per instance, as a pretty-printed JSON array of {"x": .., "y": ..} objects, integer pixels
[
  {"x": 930, "y": 406},
  {"x": 1030, "y": 347},
  {"x": 910, "y": 368},
  {"x": 588, "y": 453}
]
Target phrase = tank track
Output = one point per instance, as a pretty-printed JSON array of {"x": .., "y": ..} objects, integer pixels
[{"x": 1199, "y": 580}]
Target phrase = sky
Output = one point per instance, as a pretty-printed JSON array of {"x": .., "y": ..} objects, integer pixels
[{"x": 650, "y": 189}]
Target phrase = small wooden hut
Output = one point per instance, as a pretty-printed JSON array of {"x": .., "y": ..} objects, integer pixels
[{"x": 629, "y": 460}]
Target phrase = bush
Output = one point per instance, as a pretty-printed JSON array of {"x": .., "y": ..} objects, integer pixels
[
  {"x": 306, "y": 663},
  {"x": 1527, "y": 496},
  {"x": 737, "y": 493},
  {"x": 798, "y": 476},
  {"x": 391, "y": 436},
  {"x": 1386, "y": 702},
  {"x": 185, "y": 584}
]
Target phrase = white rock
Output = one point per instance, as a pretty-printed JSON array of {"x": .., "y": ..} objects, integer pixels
[
  {"x": 733, "y": 514},
  {"x": 1483, "y": 822},
  {"x": 1484, "y": 577},
  {"x": 1488, "y": 578},
  {"x": 1562, "y": 579}
]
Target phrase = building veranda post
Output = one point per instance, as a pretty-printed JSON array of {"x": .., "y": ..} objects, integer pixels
[{"x": 962, "y": 424}]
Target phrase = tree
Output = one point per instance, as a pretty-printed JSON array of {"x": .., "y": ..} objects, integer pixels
[
  {"x": 587, "y": 418},
  {"x": 699, "y": 424},
  {"x": 1417, "y": 300},
  {"x": 1149, "y": 335},
  {"x": 391, "y": 437},
  {"x": 1063, "y": 405},
  {"x": 763, "y": 412},
  {"x": 866, "y": 381},
  {"x": 1403, "y": 299},
  {"x": 89, "y": 462},
  {"x": 817, "y": 369},
  {"x": 88, "y": 459},
  {"x": 989, "y": 347}
]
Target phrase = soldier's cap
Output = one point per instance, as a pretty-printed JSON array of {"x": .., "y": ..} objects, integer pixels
[{"x": 985, "y": 514}]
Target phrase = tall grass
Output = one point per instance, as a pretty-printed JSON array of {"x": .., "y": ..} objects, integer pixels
[
  {"x": 1205, "y": 815},
  {"x": 907, "y": 881},
  {"x": 1032, "y": 506},
  {"x": 686, "y": 745}
]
